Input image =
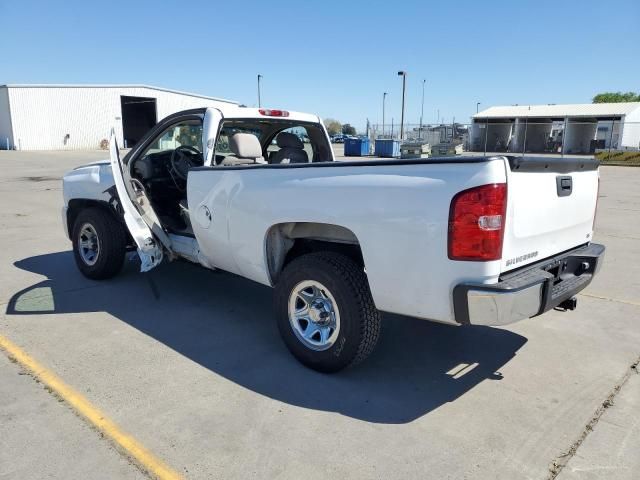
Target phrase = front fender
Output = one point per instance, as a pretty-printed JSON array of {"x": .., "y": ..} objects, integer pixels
[
  {"x": 87, "y": 185},
  {"x": 89, "y": 182}
]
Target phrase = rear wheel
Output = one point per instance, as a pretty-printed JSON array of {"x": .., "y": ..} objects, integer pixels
[
  {"x": 99, "y": 243},
  {"x": 325, "y": 311}
]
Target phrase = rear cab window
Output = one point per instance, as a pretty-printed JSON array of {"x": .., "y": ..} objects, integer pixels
[{"x": 282, "y": 141}]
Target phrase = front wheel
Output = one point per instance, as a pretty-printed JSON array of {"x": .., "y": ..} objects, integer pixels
[
  {"x": 325, "y": 311},
  {"x": 99, "y": 243}
]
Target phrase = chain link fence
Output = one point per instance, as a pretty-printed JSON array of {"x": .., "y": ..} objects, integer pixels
[{"x": 520, "y": 136}]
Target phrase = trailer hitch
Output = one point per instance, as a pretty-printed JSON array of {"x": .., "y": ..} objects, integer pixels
[{"x": 568, "y": 304}]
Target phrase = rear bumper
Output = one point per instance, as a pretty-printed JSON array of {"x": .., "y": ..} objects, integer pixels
[{"x": 530, "y": 291}]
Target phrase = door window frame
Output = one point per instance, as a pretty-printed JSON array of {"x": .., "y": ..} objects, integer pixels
[
  {"x": 163, "y": 132},
  {"x": 155, "y": 133}
]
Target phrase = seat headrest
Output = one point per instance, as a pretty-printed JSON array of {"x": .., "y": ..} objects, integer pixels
[
  {"x": 245, "y": 145},
  {"x": 288, "y": 140}
]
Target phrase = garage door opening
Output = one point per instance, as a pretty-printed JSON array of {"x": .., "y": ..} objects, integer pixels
[
  {"x": 139, "y": 115},
  {"x": 579, "y": 136}
]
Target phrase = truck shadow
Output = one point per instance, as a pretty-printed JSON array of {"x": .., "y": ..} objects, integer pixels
[{"x": 225, "y": 323}]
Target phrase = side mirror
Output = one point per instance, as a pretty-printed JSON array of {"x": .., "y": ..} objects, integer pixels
[{"x": 210, "y": 125}]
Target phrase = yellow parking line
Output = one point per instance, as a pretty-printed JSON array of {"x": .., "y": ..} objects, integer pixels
[{"x": 81, "y": 405}]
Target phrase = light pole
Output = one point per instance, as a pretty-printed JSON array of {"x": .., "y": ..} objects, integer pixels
[
  {"x": 384, "y": 98},
  {"x": 259, "y": 101},
  {"x": 477, "y": 106},
  {"x": 402, "y": 74},
  {"x": 422, "y": 108}
]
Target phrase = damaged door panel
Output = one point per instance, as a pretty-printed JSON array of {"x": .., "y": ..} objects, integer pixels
[{"x": 141, "y": 220}]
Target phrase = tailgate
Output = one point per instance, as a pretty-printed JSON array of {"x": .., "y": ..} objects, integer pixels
[{"x": 551, "y": 205}]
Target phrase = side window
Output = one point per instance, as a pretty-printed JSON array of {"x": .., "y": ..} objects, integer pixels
[
  {"x": 183, "y": 134},
  {"x": 291, "y": 145}
]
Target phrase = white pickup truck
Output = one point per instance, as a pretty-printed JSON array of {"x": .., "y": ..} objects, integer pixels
[{"x": 256, "y": 192}]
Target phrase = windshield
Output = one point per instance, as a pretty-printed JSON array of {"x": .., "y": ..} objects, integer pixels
[{"x": 181, "y": 134}]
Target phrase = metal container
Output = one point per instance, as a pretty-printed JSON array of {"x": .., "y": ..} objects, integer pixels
[
  {"x": 356, "y": 147},
  {"x": 388, "y": 148},
  {"x": 415, "y": 150},
  {"x": 446, "y": 149}
]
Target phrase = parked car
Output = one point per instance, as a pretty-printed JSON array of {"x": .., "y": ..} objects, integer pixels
[
  {"x": 342, "y": 137},
  {"x": 460, "y": 240}
]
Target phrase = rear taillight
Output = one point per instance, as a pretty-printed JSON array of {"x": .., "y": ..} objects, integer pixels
[
  {"x": 476, "y": 223},
  {"x": 273, "y": 113}
]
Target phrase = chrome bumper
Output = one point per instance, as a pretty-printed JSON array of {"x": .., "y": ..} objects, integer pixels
[{"x": 530, "y": 291}]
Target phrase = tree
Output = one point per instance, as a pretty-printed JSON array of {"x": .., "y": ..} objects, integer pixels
[
  {"x": 333, "y": 126},
  {"x": 616, "y": 97},
  {"x": 347, "y": 129}
]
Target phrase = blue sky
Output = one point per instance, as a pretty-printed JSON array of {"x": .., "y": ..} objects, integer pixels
[{"x": 333, "y": 58}]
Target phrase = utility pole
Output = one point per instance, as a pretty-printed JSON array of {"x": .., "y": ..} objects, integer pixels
[
  {"x": 384, "y": 97},
  {"x": 402, "y": 74},
  {"x": 422, "y": 108},
  {"x": 259, "y": 100},
  {"x": 438, "y": 119}
]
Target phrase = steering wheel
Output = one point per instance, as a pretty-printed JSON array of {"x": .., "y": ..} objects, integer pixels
[{"x": 183, "y": 158}]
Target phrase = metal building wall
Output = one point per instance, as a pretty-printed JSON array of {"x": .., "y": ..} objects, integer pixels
[
  {"x": 6, "y": 133},
  {"x": 43, "y": 116},
  {"x": 631, "y": 131}
]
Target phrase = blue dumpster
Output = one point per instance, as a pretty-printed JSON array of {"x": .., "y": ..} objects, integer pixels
[
  {"x": 387, "y": 148},
  {"x": 356, "y": 147}
]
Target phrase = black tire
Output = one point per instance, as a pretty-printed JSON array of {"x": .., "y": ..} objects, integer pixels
[
  {"x": 359, "y": 319},
  {"x": 112, "y": 241}
]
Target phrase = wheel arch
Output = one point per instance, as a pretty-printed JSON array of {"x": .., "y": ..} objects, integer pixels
[
  {"x": 77, "y": 205},
  {"x": 288, "y": 240}
]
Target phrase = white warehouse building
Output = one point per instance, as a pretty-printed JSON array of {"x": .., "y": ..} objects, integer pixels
[
  {"x": 570, "y": 129},
  {"x": 79, "y": 117}
]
